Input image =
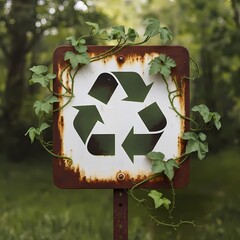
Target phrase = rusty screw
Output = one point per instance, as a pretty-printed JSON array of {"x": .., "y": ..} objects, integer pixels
[
  {"x": 121, "y": 176},
  {"x": 120, "y": 59}
]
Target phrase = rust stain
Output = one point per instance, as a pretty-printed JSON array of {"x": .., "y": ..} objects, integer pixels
[
  {"x": 75, "y": 178},
  {"x": 68, "y": 81}
]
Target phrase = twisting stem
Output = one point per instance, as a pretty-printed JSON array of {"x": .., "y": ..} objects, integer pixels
[
  {"x": 141, "y": 183},
  {"x": 171, "y": 99},
  {"x": 173, "y": 199},
  {"x": 173, "y": 225},
  {"x": 69, "y": 160}
]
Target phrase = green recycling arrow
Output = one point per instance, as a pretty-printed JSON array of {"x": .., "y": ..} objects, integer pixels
[
  {"x": 102, "y": 144},
  {"x": 153, "y": 117},
  {"x": 133, "y": 85},
  {"x": 85, "y": 120},
  {"x": 139, "y": 144},
  {"x": 104, "y": 87}
]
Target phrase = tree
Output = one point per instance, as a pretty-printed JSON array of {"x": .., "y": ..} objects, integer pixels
[{"x": 23, "y": 26}]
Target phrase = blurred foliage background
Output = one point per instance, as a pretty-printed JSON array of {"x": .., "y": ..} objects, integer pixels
[{"x": 31, "y": 208}]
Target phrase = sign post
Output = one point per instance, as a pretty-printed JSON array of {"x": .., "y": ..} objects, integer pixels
[
  {"x": 120, "y": 214},
  {"x": 119, "y": 113}
]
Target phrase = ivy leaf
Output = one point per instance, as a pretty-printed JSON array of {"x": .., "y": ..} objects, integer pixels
[
  {"x": 216, "y": 119},
  {"x": 204, "y": 111},
  {"x": 155, "y": 66},
  {"x": 81, "y": 48},
  {"x": 158, "y": 200},
  {"x": 196, "y": 143},
  {"x": 152, "y": 28},
  {"x": 166, "y": 203},
  {"x": 44, "y": 107},
  {"x": 118, "y": 32},
  {"x": 41, "y": 128},
  {"x": 103, "y": 34},
  {"x": 51, "y": 76},
  {"x": 78, "y": 44},
  {"x": 39, "y": 78},
  {"x": 160, "y": 165},
  {"x": 34, "y": 132},
  {"x": 39, "y": 69},
  {"x": 95, "y": 27},
  {"x": 161, "y": 64},
  {"x": 169, "y": 168},
  {"x": 155, "y": 156},
  {"x": 76, "y": 59},
  {"x": 207, "y": 115},
  {"x": 165, "y": 34},
  {"x": 73, "y": 40},
  {"x": 132, "y": 34}
]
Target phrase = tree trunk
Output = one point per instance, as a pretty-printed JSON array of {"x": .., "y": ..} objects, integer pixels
[{"x": 22, "y": 14}]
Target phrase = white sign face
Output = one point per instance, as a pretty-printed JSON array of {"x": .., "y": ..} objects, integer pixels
[{"x": 118, "y": 114}]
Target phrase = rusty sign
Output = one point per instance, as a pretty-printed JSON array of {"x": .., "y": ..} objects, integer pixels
[{"x": 118, "y": 114}]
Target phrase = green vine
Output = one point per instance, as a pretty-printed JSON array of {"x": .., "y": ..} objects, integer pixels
[{"x": 196, "y": 139}]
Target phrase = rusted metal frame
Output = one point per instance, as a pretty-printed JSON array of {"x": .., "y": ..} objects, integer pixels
[
  {"x": 65, "y": 177},
  {"x": 120, "y": 214}
]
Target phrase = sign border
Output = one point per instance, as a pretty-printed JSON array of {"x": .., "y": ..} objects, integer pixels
[{"x": 65, "y": 177}]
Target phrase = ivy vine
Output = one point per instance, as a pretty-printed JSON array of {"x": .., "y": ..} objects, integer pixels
[{"x": 201, "y": 120}]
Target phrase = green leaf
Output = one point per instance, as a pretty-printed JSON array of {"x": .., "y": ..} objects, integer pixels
[
  {"x": 161, "y": 64},
  {"x": 132, "y": 35},
  {"x": 152, "y": 28},
  {"x": 76, "y": 59},
  {"x": 39, "y": 69},
  {"x": 32, "y": 133},
  {"x": 95, "y": 27},
  {"x": 157, "y": 161},
  {"x": 202, "y": 136},
  {"x": 165, "y": 34},
  {"x": 155, "y": 156},
  {"x": 158, "y": 200},
  {"x": 169, "y": 62},
  {"x": 39, "y": 78},
  {"x": 166, "y": 203},
  {"x": 169, "y": 168},
  {"x": 103, "y": 34},
  {"x": 78, "y": 44},
  {"x": 80, "y": 48},
  {"x": 160, "y": 165},
  {"x": 155, "y": 66},
  {"x": 207, "y": 115},
  {"x": 45, "y": 106},
  {"x": 41, "y": 128},
  {"x": 51, "y": 99},
  {"x": 51, "y": 76},
  {"x": 118, "y": 32},
  {"x": 216, "y": 119},
  {"x": 196, "y": 143},
  {"x": 73, "y": 40},
  {"x": 204, "y": 111}
]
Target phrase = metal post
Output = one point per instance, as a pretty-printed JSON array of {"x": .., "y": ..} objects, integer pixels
[{"x": 120, "y": 214}]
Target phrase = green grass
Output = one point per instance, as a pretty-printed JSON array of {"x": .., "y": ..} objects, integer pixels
[{"x": 32, "y": 208}]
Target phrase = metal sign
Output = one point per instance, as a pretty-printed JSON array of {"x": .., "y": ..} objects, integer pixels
[{"x": 118, "y": 114}]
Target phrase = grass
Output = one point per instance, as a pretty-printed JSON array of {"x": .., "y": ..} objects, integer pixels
[{"x": 33, "y": 209}]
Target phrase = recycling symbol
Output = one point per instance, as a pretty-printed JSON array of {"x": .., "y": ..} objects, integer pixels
[{"x": 103, "y": 89}]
